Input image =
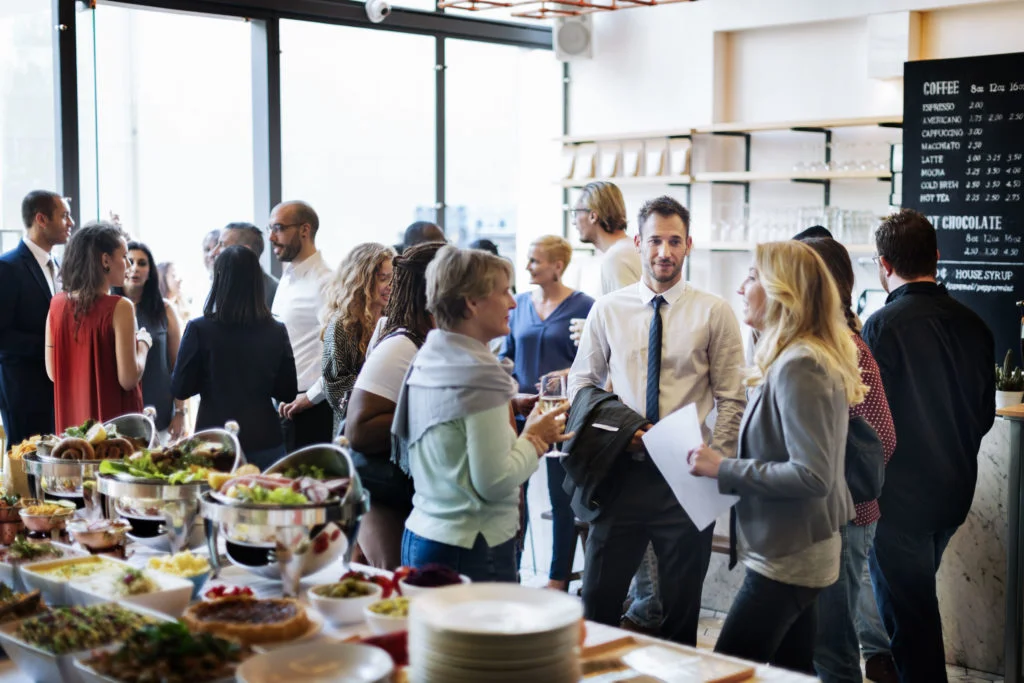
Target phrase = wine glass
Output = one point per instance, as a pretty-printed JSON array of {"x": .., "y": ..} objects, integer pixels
[{"x": 552, "y": 396}]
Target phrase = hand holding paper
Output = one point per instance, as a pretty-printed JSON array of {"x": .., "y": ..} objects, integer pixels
[{"x": 669, "y": 443}]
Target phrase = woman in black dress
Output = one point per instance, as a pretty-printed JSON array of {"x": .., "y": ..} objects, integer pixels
[
  {"x": 238, "y": 359},
  {"x": 157, "y": 315}
]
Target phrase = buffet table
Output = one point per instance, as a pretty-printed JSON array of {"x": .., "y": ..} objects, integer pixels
[{"x": 265, "y": 588}]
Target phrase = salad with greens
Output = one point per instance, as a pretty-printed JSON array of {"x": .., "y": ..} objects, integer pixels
[{"x": 184, "y": 463}]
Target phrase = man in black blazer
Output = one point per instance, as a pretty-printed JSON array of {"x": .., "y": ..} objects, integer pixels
[{"x": 28, "y": 279}]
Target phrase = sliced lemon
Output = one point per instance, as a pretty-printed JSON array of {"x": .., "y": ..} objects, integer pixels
[
  {"x": 217, "y": 479},
  {"x": 96, "y": 434},
  {"x": 246, "y": 469}
]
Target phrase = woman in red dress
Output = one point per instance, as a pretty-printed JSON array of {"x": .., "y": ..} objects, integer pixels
[{"x": 94, "y": 354}]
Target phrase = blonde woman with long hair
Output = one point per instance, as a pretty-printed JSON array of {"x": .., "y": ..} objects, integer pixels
[
  {"x": 353, "y": 303},
  {"x": 789, "y": 469}
]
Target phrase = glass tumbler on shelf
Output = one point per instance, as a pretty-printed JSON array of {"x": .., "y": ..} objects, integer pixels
[{"x": 552, "y": 396}]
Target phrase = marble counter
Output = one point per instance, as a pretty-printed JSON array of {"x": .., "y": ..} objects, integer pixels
[{"x": 973, "y": 572}]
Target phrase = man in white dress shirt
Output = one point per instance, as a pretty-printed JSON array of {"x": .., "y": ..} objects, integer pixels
[
  {"x": 696, "y": 357},
  {"x": 298, "y": 303},
  {"x": 600, "y": 218}
]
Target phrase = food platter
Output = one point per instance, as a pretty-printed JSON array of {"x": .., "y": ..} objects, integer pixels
[
  {"x": 66, "y": 477},
  {"x": 174, "y": 506},
  {"x": 302, "y": 533}
]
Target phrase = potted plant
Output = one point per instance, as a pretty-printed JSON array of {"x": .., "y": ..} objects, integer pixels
[{"x": 1009, "y": 383}]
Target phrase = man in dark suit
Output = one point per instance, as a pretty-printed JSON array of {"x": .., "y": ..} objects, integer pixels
[
  {"x": 247, "y": 235},
  {"x": 28, "y": 279}
]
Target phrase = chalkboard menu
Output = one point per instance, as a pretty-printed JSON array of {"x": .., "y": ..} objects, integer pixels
[{"x": 963, "y": 165}]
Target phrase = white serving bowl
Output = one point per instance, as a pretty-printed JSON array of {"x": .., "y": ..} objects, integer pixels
[
  {"x": 319, "y": 661},
  {"x": 381, "y": 624},
  {"x": 173, "y": 597},
  {"x": 10, "y": 572},
  {"x": 55, "y": 590},
  {"x": 342, "y": 611},
  {"x": 409, "y": 590},
  {"x": 45, "y": 667}
]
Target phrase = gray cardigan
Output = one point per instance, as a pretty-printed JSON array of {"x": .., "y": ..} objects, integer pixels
[{"x": 792, "y": 451}]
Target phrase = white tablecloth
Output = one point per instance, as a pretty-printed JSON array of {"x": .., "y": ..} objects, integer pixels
[{"x": 265, "y": 588}]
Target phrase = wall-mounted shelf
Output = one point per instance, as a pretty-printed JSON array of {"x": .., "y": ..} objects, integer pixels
[
  {"x": 738, "y": 127},
  {"x": 854, "y": 249},
  {"x": 826, "y": 124},
  {"x": 751, "y": 176},
  {"x": 628, "y": 181}
]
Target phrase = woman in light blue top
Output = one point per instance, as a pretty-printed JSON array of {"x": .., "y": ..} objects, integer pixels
[{"x": 453, "y": 424}]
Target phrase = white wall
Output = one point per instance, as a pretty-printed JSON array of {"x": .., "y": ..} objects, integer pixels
[{"x": 690, "y": 64}]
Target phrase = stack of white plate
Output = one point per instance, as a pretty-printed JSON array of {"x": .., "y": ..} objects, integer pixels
[{"x": 495, "y": 632}]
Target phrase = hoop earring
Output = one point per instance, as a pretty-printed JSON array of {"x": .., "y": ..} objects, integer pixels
[{"x": 106, "y": 269}]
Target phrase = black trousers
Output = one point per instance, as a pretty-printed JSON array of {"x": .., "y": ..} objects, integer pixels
[
  {"x": 20, "y": 424},
  {"x": 772, "y": 622},
  {"x": 646, "y": 511},
  {"x": 313, "y": 426}
]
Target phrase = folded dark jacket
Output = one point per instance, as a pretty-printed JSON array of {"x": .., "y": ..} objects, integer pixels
[{"x": 596, "y": 453}]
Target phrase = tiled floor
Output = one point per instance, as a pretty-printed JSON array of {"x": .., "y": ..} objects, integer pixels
[{"x": 537, "y": 557}]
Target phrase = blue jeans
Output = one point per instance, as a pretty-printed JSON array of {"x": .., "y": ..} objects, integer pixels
[
  {"x": 645, "y": 609},
  {"x": 563, "y": 523},
  {"x": 771, "y": 622},
  {"x": 479, "y": 563},
  {"x": 845, "y": 616},
  {"x": 903, "y": 567}
]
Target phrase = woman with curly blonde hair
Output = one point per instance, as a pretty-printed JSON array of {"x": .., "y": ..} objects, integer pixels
[
  {"x": 789, "y": 471},
  {"x": 354, "y": 300}
]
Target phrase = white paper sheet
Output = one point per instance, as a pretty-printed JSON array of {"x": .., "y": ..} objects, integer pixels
[{"x": 668, "y": 444}]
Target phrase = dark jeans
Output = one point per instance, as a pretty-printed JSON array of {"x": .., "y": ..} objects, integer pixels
[
  {"x": 563, "y": 523},
  {"x": 847, "y": 614},
  {"x": 308, "y": 428},
  {"x": 903, "y": 567},
  {"x": 646, "y": 511},
  {"x": 479, "y": 563},
  {"x": 772, "y": 622}
]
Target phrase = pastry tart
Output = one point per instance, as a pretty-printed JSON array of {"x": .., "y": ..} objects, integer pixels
[{"x": 249, "y": 620}]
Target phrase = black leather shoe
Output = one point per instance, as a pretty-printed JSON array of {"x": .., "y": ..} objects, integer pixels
[{"x": 881, "y": 668}]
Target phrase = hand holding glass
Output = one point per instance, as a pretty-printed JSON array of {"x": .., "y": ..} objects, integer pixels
[{"x": 552, "y": 395}]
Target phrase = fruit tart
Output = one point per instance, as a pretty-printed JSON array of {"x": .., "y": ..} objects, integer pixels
[{"x": 249, "y": 620}]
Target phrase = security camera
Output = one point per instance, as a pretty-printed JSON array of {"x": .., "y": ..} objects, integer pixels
[{"x": 377, "y": 10}]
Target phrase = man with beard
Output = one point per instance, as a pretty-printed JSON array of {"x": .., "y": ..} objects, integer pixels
[
  {"x": 28, "y": 279},
  {"x": 299, "y": 300},
  {"x": 699, "y": 362}
]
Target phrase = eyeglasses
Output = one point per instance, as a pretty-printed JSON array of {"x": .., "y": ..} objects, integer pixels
[
  {"x": 277, "y": 228},
  {"x": 876, "y": 259}
]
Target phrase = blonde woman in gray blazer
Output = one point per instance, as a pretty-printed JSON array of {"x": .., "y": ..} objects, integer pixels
[{"x": 789, "y": 468}]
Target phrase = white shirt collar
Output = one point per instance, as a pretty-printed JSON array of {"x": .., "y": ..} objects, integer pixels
[
  {"x": 300, "y": 270},
  {"x": 671, "y": 295},
  {"x": 42, "y": 257}
]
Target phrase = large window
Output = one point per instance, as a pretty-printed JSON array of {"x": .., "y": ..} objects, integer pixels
[
  {"x": 165, "y": 104},
  {"x": 503, "y": 114},
  {"x": 357, "y": 130},
  {"x": 27, "y": 157}
]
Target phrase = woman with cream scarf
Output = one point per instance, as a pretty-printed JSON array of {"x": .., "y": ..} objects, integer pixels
[{"x": 453, "y": 426}]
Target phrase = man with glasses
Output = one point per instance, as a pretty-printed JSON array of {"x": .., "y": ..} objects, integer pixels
[
  {"x": 292, "y": 229},
  {"x": 600, "y": 218},
  {"x": 29, "y": 277}
]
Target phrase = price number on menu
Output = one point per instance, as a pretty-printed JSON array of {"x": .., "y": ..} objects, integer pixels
[
  {"x": 974, "y": 144},
  {"x": 1018, "y": 116}
]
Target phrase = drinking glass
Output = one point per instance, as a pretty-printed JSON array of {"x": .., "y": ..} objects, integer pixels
[{"x": 552, "y": 395}]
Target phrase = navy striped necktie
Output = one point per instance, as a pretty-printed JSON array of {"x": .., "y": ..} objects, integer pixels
[{"x": 653, "y": 413}]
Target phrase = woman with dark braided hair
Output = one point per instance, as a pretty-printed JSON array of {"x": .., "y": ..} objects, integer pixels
[
  {"x": 94, "y": 354},
  {"x": 371, "y": 407}
]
